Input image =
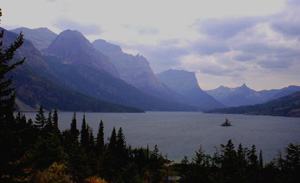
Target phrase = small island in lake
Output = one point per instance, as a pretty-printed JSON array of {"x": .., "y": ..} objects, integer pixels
[{"x": 226, "y": 123}]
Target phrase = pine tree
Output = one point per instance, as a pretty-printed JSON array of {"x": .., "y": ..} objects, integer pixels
[
  {"x": 113, "y": 141},
  {"x": 74, "y": 130},
  {"x": 260, "y": 160},
  {"x": 10, "y": 140},
  {"x": 7, "y": 93},
  {"x": 120, "y": 142},
  {"x": 100, "y": 137},
  {"x": 40, "y": 119},
  {"x": 49, "y": 124},
  {"x": 55, "y": 120},
  {"x": 84, "y": 140}
]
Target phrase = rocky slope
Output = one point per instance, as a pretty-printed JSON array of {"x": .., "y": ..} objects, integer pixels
[{"x": 185, "y": 83}]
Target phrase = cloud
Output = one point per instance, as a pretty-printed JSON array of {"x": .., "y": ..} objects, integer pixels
[
  {"x": 224, "y": 28},
  {"x": 287, "y": 28},
  {"x": 210, "y": 47},
  {"x": 142, "y": 30},
  {"x": 169, "y": 42},
  {"x": 275, "y": 64},
  {"x": 244, "y": 57},
  {"x": 147, "y": 30},
  {"x": 89, "y": 29}
]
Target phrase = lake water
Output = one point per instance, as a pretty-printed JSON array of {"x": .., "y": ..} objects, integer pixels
[{"x": 181, "y": 133}]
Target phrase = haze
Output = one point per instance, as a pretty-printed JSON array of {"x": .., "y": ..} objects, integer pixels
[{"x": 225, "y": 42}]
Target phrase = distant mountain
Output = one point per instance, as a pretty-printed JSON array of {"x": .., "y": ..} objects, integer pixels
[
  {"x": 135, "y": 70},
  {"x": 79, "y": 66},
  {"x": 185, "y": 83},
  {"x": 243, "y": 95},
  {"x": 40, "y": 37},
  {"x": 35, "y": 85},
  {"x": 73, "y": 48},
  {"x": 100, "y": 85},
  {"x": 283, "y": 92},
  {"x": 233, "y": 97},
  {"x": 284, "y": 106}
]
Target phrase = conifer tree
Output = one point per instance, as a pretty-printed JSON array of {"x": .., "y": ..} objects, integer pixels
[
  {"x": 113, "y": 141},
  {"x": 7, "y": 93},
  {"x": 100, "y": 137},
  {"x": 120, "y": 142},
  {"x": 91, "y": 138},
  {"x": 55, "y": 119},
  {"x": 74, "y": 130},
  {"x": 8, "y": 131},
  {"x": 49, "y": 123},
  {"x": 40, "y": 119},
  {"x": 84, "y": 140}
]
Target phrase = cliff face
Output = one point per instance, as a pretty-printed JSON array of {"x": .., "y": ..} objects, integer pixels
[
  {"x": 135, "y": 70},
  {"x": 185, "y": 83},
  {"x": 73, "y": 48}
]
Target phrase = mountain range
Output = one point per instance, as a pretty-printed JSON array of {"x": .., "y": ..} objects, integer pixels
[
  {"x": 285, "y": 106},
  {"x": 69, "y": 72},
  {"x": 79, "y": 75},
  {"x": 243, "y": 95}
]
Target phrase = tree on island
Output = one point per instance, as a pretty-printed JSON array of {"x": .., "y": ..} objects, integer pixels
[{"x": 226, "y": 123}]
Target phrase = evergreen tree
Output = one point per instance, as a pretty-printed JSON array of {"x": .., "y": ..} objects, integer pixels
[
  {"x": 49, "y": 124},
  {"x": 200, "y": 157},
  {"x": 55, "y": 120},
  {"x": 40, "y": 119},
  {"x": 74, "y": 130},
  {"x": 260, "y": 160},
  {"x": 113, "y": 142},
  {"x": 91, "y": 138},
  {"x": 120, "y": 142},
  {"x": 7, "y": 93},
  {"x": 100, "y": 137},
  {"x": 10, "y": 138},
  {"x": 84, "y": 140}
]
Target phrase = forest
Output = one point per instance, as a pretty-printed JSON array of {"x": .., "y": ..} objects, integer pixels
[{"x": 36, "y": 150}]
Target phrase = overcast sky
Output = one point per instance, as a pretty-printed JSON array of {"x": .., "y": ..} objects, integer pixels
[{"x": 226, "y": 42}]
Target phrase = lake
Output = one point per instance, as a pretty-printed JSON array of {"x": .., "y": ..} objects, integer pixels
[{"x": 181, "y": 133}]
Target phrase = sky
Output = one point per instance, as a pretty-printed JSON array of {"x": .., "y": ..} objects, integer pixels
[{"x": 227, "y": 43}]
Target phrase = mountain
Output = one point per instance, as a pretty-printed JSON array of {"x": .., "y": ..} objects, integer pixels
[
  {"x": 283, "y": 92},
  {"x": 100, "y": 85},
  {"x": 73, "y": 48},
  {"x": 75, "y": 62},
  {"x": 40, "y": 37},
  {"x": 35, "y": 85},
  {"x": 243, "y": 95},
  {"x": 284, "y": 106},
  {"x": 185, "y": 83},
  {"x": 233, "y": 97},
  {"x": 135, "y": 70}
]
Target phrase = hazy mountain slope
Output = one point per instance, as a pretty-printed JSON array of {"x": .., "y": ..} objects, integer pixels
[
  {"x": 135, "y": 70},
  {"x": 284, "y": 92},
  {"x": 73, "y": 48},
  {"x": 233, "y": 97},
  {"x": 34, "y": 88},
  {"x": 185, "y": 83},
  {"x": 92, "y": 82},
  {"x": 284, "y": 106},
  {"x": 35, "y": 84},
  {"x": 40, "y": 37}
]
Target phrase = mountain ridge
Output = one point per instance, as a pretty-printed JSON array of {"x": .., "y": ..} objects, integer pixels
[{"x": 185, "y": 83}]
